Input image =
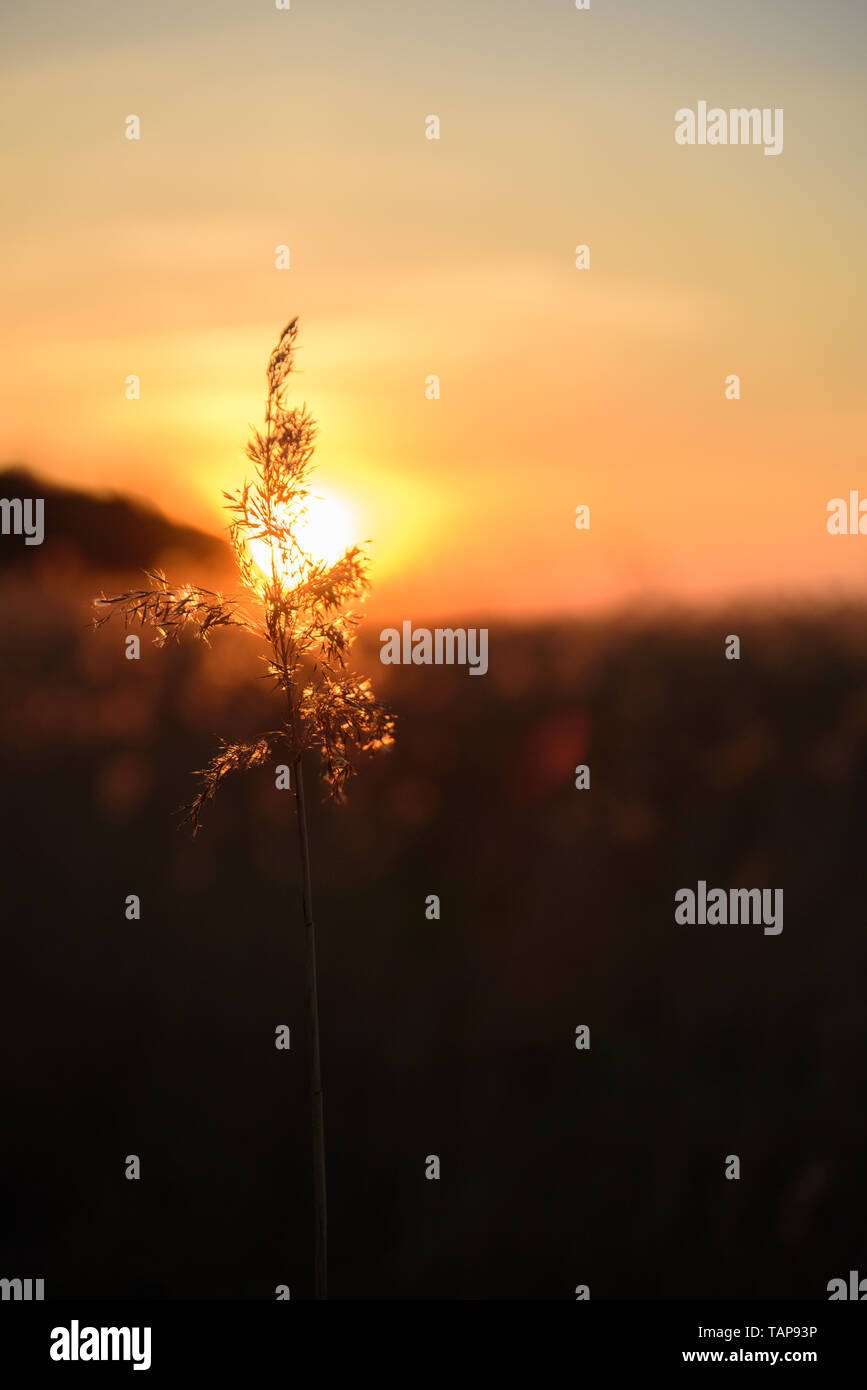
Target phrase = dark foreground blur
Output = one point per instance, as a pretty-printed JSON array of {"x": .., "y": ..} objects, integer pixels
[{"x": 455, "y": 1037}]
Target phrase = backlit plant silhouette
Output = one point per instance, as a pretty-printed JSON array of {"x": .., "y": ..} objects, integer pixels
[{"x": 300, "y": 612}]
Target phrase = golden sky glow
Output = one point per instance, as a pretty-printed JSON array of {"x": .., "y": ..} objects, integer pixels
[{"x": 412, "y": 257}]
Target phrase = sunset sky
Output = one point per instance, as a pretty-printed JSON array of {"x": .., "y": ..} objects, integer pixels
[{"x": 456, "y": 257}]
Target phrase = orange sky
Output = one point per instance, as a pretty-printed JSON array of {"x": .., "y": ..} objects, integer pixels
[{"x": 453, "y": 257}]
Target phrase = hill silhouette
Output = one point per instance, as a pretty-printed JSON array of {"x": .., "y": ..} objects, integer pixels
[{"x": 102, "y": 531}]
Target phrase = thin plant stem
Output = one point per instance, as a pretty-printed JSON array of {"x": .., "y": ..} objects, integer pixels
[
  {"x": 320, "y": 1215},
  {"x": 303, "y": 618}
]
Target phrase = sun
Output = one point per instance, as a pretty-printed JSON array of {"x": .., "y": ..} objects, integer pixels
[{"x": 324, "y": 532}]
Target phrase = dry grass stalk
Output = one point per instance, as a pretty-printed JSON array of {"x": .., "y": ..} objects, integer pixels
[{"x": 299, "y": 610}]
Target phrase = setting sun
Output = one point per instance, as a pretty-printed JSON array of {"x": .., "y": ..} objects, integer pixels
[{"x": 324, "y": 532}]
